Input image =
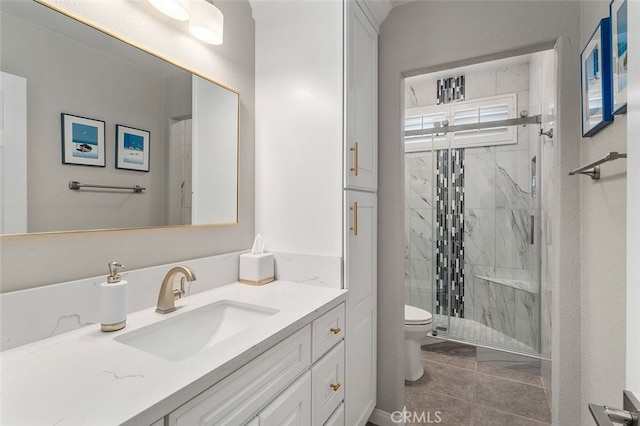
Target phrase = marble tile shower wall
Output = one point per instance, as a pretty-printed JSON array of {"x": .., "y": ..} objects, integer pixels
[{"x": 498, "y": 204}]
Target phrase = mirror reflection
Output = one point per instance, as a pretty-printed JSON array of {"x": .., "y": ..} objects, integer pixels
[{"x": 55, "y": 65}]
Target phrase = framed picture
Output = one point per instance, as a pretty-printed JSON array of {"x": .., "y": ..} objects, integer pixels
[
  {"x": 597, "y": 99},
  {"x": 82, "y": 140},
  {"x": 132, "y": 148},
  {"x": 619, "y": 60}
]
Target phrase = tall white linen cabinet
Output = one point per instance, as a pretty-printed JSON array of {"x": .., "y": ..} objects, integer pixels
[{"x": 316, "y": 157}]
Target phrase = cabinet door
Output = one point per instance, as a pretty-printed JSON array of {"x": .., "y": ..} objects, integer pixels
[
  {"x": 327, "y": 377},
  {"x": 360, "y": 280},
  {"x": 235, "y": 399},
  {"x": 328, "y": 330},
  {"x": 361, "y": 145},
  {"x": 292, "y": 407}
]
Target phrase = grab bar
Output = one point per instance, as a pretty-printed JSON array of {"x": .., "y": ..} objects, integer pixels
[
  {"x": 75, "y": 185},
  {"x": 593, "y": 169}
]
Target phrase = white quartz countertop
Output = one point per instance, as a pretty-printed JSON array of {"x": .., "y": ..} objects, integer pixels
[{"x": 85, "y": 377}]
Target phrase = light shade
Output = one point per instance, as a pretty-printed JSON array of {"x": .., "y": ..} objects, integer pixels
[
  {"x": 206, "y": 22},
  {"x": 176, "y": 9}
]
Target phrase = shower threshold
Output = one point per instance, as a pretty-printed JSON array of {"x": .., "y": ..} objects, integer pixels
[{"x": 473, "y": 332}]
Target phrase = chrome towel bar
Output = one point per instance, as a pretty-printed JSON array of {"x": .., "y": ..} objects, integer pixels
[
  {"x": 75, "y": 185},
  {"x": 593, "y": 169}
]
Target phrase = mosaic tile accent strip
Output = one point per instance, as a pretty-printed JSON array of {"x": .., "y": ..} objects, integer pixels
[
  {"x": 450, "y": 89},
  {"x": 450, "y": 232}
]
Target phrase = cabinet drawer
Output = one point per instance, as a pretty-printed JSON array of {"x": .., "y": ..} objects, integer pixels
[
  {"x": 337, "y": 418},
  {"x": 327, "y": 378},
  {"x": 328, "y": 330},
  {"x": 292, "y": 407},
  {"x": 237, "y": 398}
]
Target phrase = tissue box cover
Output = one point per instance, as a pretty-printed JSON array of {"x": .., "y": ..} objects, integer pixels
[{"x": 256, "y": 269}]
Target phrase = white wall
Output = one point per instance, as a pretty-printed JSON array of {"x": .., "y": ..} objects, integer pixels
[
  {"x": 416, "y": 37},
  {"x": 603, "y": 259},
  {"x": 299, "y": 203},
  {"x": 41, "y": 259},
  {"x": 633, "y": 208}
]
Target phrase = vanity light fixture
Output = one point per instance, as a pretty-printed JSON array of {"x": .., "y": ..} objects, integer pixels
[
  {"x": 206, "y": 22},
  {"x": 176, "y": 9}
]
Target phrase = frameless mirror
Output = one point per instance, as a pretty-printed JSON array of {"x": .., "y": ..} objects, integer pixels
[{"x": 189, "y": 123}]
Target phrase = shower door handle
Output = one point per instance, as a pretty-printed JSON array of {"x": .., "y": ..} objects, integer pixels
[{"x": 532, "y": 228}]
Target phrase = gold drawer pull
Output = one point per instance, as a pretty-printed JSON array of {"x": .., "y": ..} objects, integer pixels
[
  {"x": 354, "y": 209},
  {"x": 335, "y": 387},
  {"x": 335, "y": 330},
  {"x": 355, "y": 167}
]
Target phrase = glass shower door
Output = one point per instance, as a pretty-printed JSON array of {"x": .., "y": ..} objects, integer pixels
[{"x": 486, "y": 251}]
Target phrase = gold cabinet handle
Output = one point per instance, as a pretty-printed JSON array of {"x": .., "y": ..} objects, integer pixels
[
  {"x": 354, "y": 169},
  {"x": 335, "y": 330},
  {"x": 354, "y": 209},
  {"x": 335, "y": 387}
]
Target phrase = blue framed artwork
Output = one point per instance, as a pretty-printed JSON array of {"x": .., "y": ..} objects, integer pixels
[
  {"x": 82, "y": 140},
  {"x": 597, "y": 97},
  {"x": 619, "y": 58},
  {"x": 132, "y": 148}
]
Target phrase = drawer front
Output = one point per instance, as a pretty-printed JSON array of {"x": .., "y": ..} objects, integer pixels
[
  {"x": 292, "y": 407},
  {"x": 237, "y": 398},
  {"x": 328, "y": 330},
  {"x": 337, "y": 418},
  {"x": 327, "y": 377}
]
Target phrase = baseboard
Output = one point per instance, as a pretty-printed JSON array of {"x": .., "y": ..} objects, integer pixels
[{"x": 382, "y": 418}]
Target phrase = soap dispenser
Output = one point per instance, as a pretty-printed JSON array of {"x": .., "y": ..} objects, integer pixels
[{"x": 113, "y": 300}]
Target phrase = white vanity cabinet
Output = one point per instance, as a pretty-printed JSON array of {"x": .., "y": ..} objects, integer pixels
[{"x": 283, "y": 386}]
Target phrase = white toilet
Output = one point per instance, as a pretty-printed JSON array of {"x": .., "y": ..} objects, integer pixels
[{"x": 417, "y": 324}]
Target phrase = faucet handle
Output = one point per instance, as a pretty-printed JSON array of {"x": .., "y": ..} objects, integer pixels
[{"x": 177, "y": 294}]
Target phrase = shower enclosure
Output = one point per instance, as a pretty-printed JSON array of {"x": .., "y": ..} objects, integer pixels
[{"x": 472, "y": 210}]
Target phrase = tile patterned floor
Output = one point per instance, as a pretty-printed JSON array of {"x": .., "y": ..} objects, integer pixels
[{"x": 465, "y": 385}]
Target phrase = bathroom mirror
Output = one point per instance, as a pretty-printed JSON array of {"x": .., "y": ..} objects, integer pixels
[{"x": 72, "y": 68}]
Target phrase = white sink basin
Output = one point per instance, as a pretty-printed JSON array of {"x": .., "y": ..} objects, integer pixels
[{"x": 189, "y": 333}]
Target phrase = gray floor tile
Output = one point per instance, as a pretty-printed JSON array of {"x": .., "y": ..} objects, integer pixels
[
  {"x": 509, "y": 360},
  {"x": 428, "y": 408},
  {"x": 507, "y": 373},
  {"x": 455, "y": 361},
  {"x": 452, "y": 381},
  {"x": 451, "y": 348},
  {"x": 485, "y": 416},
  {"x": 512, "y": 397}
]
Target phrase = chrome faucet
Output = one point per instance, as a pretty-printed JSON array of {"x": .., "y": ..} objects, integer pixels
[{"x": 168, "y": 296}]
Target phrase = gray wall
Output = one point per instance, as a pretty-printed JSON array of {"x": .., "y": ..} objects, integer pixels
[
  {"x": 40, "y": 259},
  {"x": 83, "y": 81},
  {"x": 416, "y": 37},
  {"x": 603, "y": 254}
]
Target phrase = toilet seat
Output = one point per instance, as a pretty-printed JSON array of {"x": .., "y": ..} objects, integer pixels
[{"x": 416, "y": 316}]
